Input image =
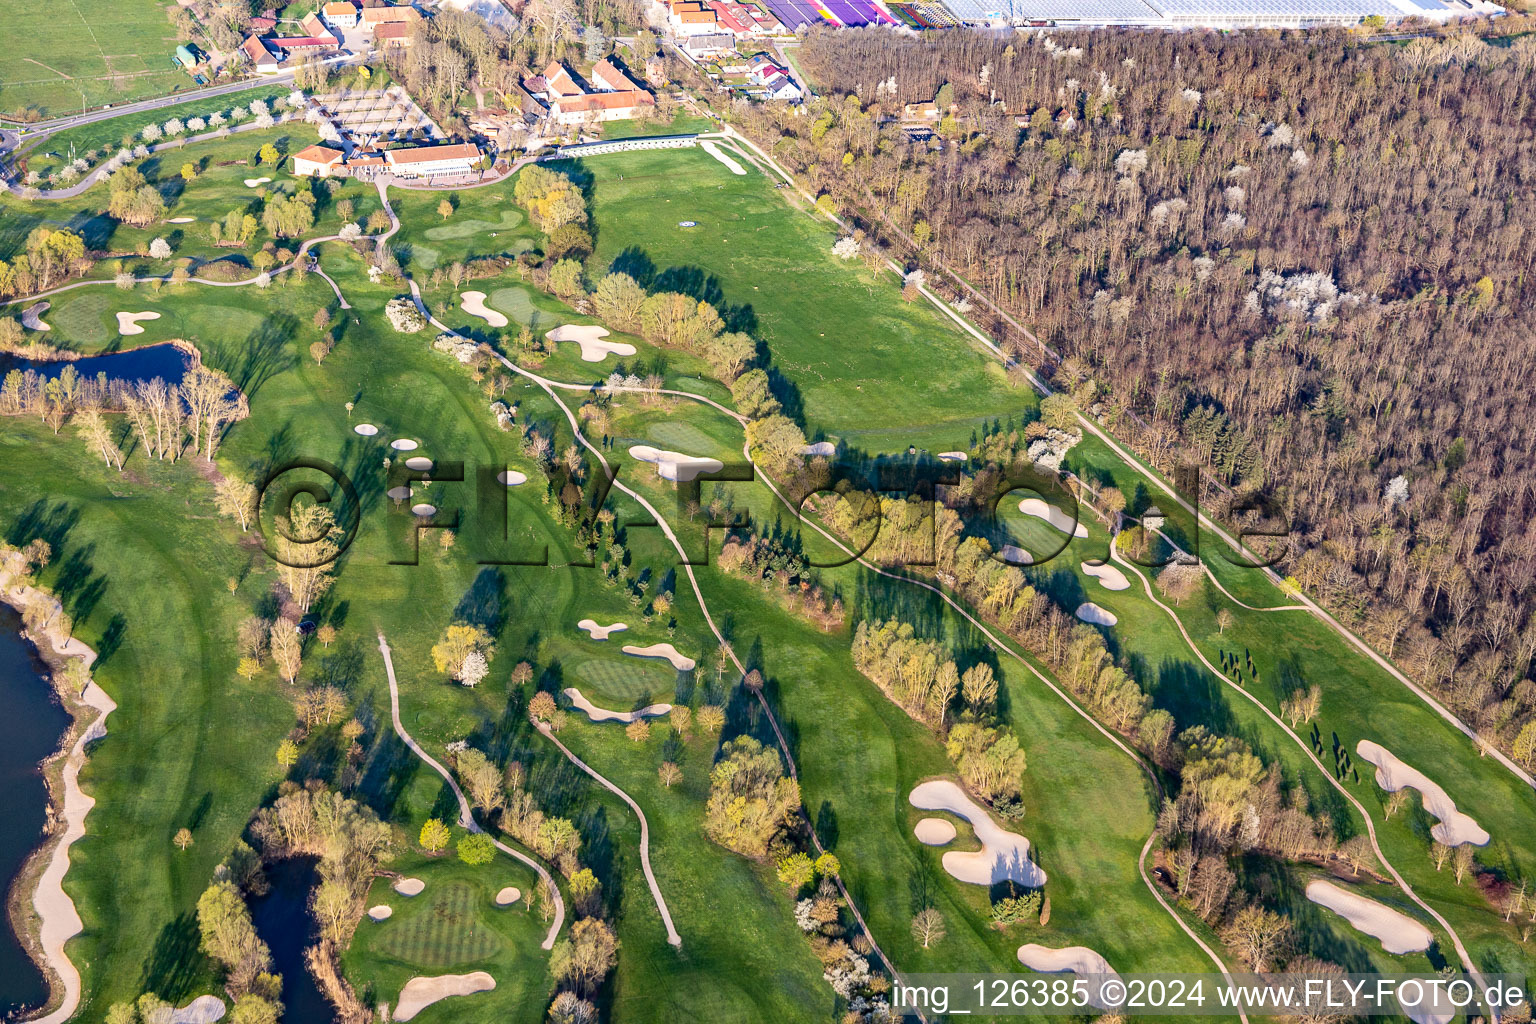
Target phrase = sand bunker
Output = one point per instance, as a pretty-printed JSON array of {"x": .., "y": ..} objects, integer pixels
[
  {"x": 409, "y": 886},
  {"x": 420, "y": 463},
  {"x": 1053, "y": 515},
  {"x": 128, "y": 323},
  {"x": 714, "y": 151},
  {"x": 181, "y": 220},
  {"x": 382, "y": 912},
  {"x": 366, "y": 429},
  {"x": 398, "y": 493},
  {"x": 1108, "y": 576},
  {"x": 404, "y": 444},
  {"x": 32, "y": 316},
  {"x": 253, "y": 182},
  {"x": 598, "y": 714},
  {"x": 512, "y": 477},
  {"x": 1398, "y": 932},
  {"x": 1392, "y": 775},
  {"x": 424, "y": 509},
  {"x": 202, "y": 1010},
  {"x": 508, "y": 896},
  {"x": 420, "y": 993},
  {"x": 667, "y": 651},
  {"x": 934, "y": 831},
  {"x": 593, "y": 348},
  {"x": 600, "y": 632},
  {"x": 819, "y": 448},
  {"x": 1017, "y": 555},
  {"x": 1004, "y": 855},
  {"x": 1436, "y": 1007},
  {"x": 675, "y": 466},
  {"x": 953, "y": 456},
  {"x": 1079, "y": 960},
  {"x": 1093, "y": 614},
  {"x": 474, "y": 305}
]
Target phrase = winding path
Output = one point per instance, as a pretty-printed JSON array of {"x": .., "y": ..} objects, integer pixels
[
  {"x": 645, "y": 832},
  {"x": 1370, "y": 828},
  {"x": 466, "y": 816}
]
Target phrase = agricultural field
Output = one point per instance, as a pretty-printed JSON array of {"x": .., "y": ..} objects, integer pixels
[{"x": 86, "y": 53}]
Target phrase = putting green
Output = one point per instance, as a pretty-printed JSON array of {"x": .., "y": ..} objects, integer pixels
[
  {"x": 425, "y": 256},
  {"x": 83, "y": 318},
  {"x": 623, "y": 682},
  {"x": 443, "y": 932},
  {"x": 684, "y": 437},
  {"x": 510, "y": 218},
  {"x": 517, "y": 304}
]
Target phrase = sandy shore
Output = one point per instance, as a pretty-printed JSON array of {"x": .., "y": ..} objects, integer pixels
[{"x": 59, "y": 921}]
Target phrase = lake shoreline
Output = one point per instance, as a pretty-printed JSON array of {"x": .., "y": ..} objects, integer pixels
[
  {"x": 19, "y": 914},
  {"x": 28, "y": 921}
]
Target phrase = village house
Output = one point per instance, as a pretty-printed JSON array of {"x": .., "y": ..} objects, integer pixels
[
  {"x": 395, "y": 35},
  {"x": 600, "y": 106},
  {"x": 655, "y": 71},
  {"x": 616, "y": 96},
  {"x": 741, "y": 19},
  {"x": 701, "y": 46},
  {"x": 373, "y": 17},
  {"x": 263, "y": 61},
  {"x": 609, "y": 77},
  {"x": 559, "y": 81},
  {"x": 340, "y": 14},
  {"x": 690, "y": 18}
]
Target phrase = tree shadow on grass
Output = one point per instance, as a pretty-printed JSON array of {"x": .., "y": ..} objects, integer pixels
[
  {"x": 263, "y": 355},
  {"x": 175, "y": 962},
  {"x": 484, "y": 603},
  {"x": 387, "y": 774},
  {"x": 634, "y": 262},
  {"x": 43, "y": 520},
  {"x": 1189, "y": 693}
]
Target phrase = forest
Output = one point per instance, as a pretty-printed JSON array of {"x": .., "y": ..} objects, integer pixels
[{"x": 1296, "y": 261}]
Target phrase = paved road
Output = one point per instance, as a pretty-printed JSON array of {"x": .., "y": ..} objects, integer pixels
[
  {"x": 466, "y": 816},
  {"x": 95, "y": 175},
  {"x": 43, "y": 129}
]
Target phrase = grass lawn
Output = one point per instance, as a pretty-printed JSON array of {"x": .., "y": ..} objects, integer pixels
[
  {"x": 867, "y": 367},
  {"x": 88, "y": 52},
  {"x": 1293, "y": 650},
  {"x": 108, "y": 136}
]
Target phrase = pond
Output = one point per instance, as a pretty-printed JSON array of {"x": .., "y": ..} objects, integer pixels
[
  {"x": 283, "y": 921},
  {"x": 29, "y": 731},
  {"x": 164, "y": 361}
]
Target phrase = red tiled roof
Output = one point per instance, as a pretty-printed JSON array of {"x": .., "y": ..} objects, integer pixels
[
  {"x": 301, "y": 42},
  {"x": 604, "y": 101},
  {"x": 319, "y": 154},
  {"x": 427, "y": 154},
  {"x": 256, "y": 50},
  {"x": 340, "y": 9},
  {"x": 394, "y": 30},
  {"x": 373, "y": 16},
  {"x": 732, "y": 16},
  {"x": 606, "y": 73},
  {"x": 262, "y": 24}
]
